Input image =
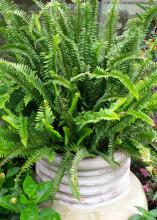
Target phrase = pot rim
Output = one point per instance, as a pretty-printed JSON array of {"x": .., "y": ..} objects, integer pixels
[{"x": 92, "y": 163}]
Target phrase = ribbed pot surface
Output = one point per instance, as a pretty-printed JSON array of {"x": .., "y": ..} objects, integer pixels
[{"x": 98, "y": 182}]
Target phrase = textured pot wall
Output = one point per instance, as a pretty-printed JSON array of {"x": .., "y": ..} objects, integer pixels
[
  {"x": 98, "y": 182},
  {"x": 106, "y": 194}
]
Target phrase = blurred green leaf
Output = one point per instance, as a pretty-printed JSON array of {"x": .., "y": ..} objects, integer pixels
[
  {"x": 29, "y": 213},
  {"x": 23, "y": 199},
  {"x": 12, "y": 172},
  {"x": 6, "y": 202},
  {"x": 48, "y": 214},
  {"x": 29, "y": 186},
  {"x": 43, "y": 191}
]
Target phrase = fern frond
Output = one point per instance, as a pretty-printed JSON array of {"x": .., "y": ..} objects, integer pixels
[
  {"x": 32, "y": 159},
  {"x": 34, "y": 25},
  {"x": 119, "y": 60},
  {"x": 3, "y": 99},
  {"x": 142, "y": 116},
  {"x": 80, "y": 155},
  {"x": 23, "y": 130},
  {"x": 17, "y": 153},
  {"x": 91, "y": 117},
  {"x": 44, "y": 113},
  {"x": 66, "y": 160},
  {"x": 20, "y": 49},
  {"x": 124, "y": 79},
  {"x": 111, "y": 25},
  {"x": 8, "y": 5},
  {"x": 100, "y": 73},
  {"x": 151, "y": 105},
  {"x": 74, "y": 103},
  {"x": 120, "y": 102},
  {"x": 20, "y": 124},
  {"x": 44, "y": 120},
  {"x": 61, "y": 81},
  {"x": 84, "y": 133},
  {"x": 20, "y": 74},
  {"x": 7, "y": 146},
  {"x": 39, "y": 3}
]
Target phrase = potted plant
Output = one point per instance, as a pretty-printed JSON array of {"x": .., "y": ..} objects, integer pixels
[{"x": 75, "y": 93}]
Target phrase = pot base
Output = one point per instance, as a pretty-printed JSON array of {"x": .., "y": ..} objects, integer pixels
[{"x": 120, "y": 209}]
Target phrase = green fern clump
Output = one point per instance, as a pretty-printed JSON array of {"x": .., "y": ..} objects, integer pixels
[{"x": 72, "y": 87}]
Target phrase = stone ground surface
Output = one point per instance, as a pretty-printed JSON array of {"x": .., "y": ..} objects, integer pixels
[{"x": 121, "y": 209}]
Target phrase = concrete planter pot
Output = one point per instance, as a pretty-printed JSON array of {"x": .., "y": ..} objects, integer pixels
[{"x": 106, "y": 194}]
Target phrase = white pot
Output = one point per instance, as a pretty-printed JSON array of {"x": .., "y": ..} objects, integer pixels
[{"x": 106, "y": 194}]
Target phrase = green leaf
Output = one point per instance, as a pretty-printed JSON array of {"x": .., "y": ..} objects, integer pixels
[
  {"x": 94, "y": 117},
  {"x": 66, "y": 135},
  {"x": 152, "y": 104},
  {"x": 5, "y": 202},
  {"x": 29, "y": 186},
  {"x": 74, "y": 102},
  {"x": 3, "y": 99},
  {"x": 12, "y": 171},
  {"x": 149, "y": 218},
  {"x": 23, "y": 199},
  {"x": 51, "y": 156},
  {"x": 123, "y": 78},
  {"x": 84, "y": 133},
  {"x": 115, "y": 106},
  {"x": 14, "y": 48},
  {"x": 44, "y": 191},
  {"x": 48, "y": 214},
  {"x": 142, "y": 210},
  {"x": 136, "y": 217},
  {"x": 61, "y": 81},
  {"x": 20, "y": 124},
  {"x": 44, "y": 120},
  {"x": 12, "y": 120},
  {"x": 29, "y": 213},
  {"x": 28, "y": 98},
  {"x": 141, "y": 115},
  {"x": 22, "y": 128},
  {"x": 53, "y": 133},
  {"x": 111, "y": 24},
  {"x": 73, "y": 180},
  {"x": 153, "y": 212}
]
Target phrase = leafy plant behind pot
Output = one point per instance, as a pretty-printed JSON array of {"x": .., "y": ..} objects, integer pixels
[
  {"x": 23, "y": 203},
  {"x": 72, "y": 87},
  {"x": 145, "y": 215}
]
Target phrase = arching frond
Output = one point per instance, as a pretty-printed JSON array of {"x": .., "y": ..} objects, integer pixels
[
  {"x": 111, "y": 25},
  {"x": 80, "y": 155},
  {"x": 95, "y": 117},
  {"x": 32, "y": 159}
]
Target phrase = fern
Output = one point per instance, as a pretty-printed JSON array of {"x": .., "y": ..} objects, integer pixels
[
  {"x": 3, "y": 99},
  {"x": 75, "y": 100},
  {"x": 81, "y": 154},
  {"x": 32, "y": 159},
  {"x": 111, "y": 25},
  {"x": 44, "y": 113},
  {"x": 95, "y": 117},
  {"x": 76, "y": 87},
  {"x": 17, "y": 153},
  {"x": 44, "y": 119},
  {"x": 20, "y": 124},
  {"x": 60, "y": 172},
  {"x": 142, "y": 116},
  {"x": 124, "y": 79}
]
